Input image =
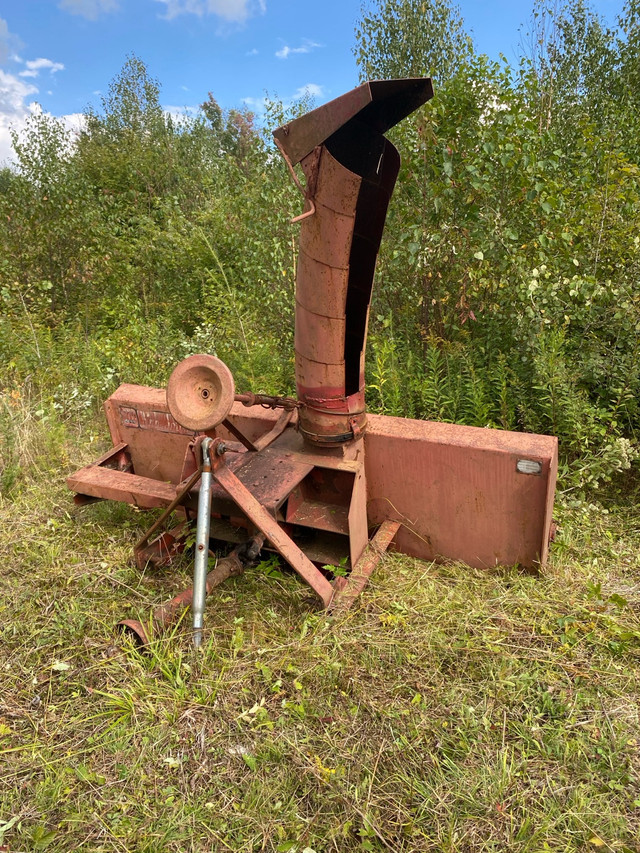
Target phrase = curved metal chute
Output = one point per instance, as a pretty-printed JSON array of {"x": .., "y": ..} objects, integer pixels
[{"x": 350, "y": 170}]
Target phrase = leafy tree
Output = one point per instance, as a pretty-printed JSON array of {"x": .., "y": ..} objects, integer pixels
[
  {"x": 234, "y": 130},
  {"x": 132, "y": 104},
  {"x": 506, "y": 288},
  {"x": 47, "y": 219},
  {"x": 410, "y": 38},
  {"x": 127, "y": 148},
  {"x": 7, "y": 176},
  {"x": 628, "y": 90},
  {"x": 574, "y": 59},
  {"x": 507, "y": 247}
]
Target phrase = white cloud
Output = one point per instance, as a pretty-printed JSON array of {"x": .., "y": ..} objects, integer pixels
[
  {"x": 256, "y": 105},
  {"x": 259, "y": 105},
  {"x": 90, "y": 9},
  {"x": 35, "y": 66},
  {"x": 253, "y": 52},
  {"x": 310, "y": 90},
  {"x": 306, "y": 47},
  {"x": 13, "y": 110},
  {"x": 16, "y": 106},
  {"x": 235, "y": 11},
  {"x": 17, "y": 102},
  {"x": 74, "y": 122},
  {"x": 9, "y": 44},
  {"x": 13, "y": 93}
]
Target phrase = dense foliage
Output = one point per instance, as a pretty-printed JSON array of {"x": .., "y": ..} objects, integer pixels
[{"x": 506, "y": 289}]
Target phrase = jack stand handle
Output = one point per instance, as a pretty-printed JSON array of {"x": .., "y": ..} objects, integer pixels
[{"x": 201, "y": 561}]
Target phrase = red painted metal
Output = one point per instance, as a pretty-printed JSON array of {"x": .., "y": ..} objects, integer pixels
[
  {"x": 456, "y": 489},
  {"x": 162, "y": 551},
  {"x": 276, "y": 430},
  {"x": 316, "y": 477},
  {"x": 267, "y": 401},
  {"x": 159, "y": 453},
  {"x": 350, "y": 170},
  {"x": 168, "y": 613},
  {"x": 458, "y": 493},
  {"x": 270, "y": 475},
  {"x": 182, "y": 495},
  {"x": 377, "y": 104},
  {"x": 99, "y": 482}
]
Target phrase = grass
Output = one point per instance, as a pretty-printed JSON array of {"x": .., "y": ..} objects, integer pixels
[{"x": 450, "y": 710}]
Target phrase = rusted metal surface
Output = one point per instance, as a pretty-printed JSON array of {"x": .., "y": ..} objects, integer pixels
[
  {"x": 456, "y": 489},
  {"x": 167, "y": 614},
  {"x": 200, "y": 392},
  {"x": 159, "y": 453},
  {"x": 276, "y": 430},
  {"x": 329, "y": 298},
  {"x": 378, "y": 104},
  {"x": 317, "y": 476},
  {"x": 357, "y": 518},
  {"x": 162, "y": 551},
  {"x": 181, "y": 496},
  {"x": 458, "y": 493},
  {"x": 316, "y": 335},
  {"x": 268, "y": 401},
  {"x": 237, "y": 433},
  {"x": 322, "y": 500},
  {"x": 318, "y": 514},
  {"x": 350, "y": 174},
  {"x": 255, "y": 422},
  {"x": 286, "y": 417},
  {"x": 359, "y": 576},
  {"x": 269, "y": 475},
  {"x": 143, "y": 492},
  {"x": 155, "y": 453},
  {"x": 116, "y": 459},
  {"x": 274, "y": 533}
]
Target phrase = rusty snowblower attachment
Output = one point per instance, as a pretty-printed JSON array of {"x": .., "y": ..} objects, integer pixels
[{"x": 315, "y": 477}]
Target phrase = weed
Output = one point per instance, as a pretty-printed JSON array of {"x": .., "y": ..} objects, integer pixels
[{"x": 449, "y": 710}]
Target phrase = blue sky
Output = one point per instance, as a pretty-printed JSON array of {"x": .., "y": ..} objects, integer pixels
[{"x": 62, "y": 54}]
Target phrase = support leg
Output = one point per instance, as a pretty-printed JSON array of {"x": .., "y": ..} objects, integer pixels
[{"x": 202, "y": 546}]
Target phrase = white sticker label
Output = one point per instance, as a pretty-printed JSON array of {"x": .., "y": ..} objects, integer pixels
[{"x": 529, "y": 466}]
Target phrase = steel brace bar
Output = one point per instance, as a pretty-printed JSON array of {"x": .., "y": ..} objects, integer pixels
[
  {"x": 283, "y": 543},
  {"x": 363, "y": 569}
]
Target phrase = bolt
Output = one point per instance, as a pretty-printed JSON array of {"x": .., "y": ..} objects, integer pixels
[
  {"x": 220, "y": 449},
  {"x": 200, "y": 547}
]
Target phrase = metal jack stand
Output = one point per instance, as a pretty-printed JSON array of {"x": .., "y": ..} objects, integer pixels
[{"x": 201, "y": 562}]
